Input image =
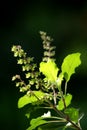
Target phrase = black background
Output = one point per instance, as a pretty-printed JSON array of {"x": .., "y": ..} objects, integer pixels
[{"x": 20, "y": 23}]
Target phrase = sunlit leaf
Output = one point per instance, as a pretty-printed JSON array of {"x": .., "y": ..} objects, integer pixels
[
  {"x": 69, "y": 65},
  {"x": 30, "y": 99},
  {"x": 68, "y": 99},
  {"x": 50, "y": 70},
  {"x": 26, "y": 100}
]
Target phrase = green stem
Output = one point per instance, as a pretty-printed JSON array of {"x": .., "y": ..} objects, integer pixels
[
  {"x": 54, "y": 95},
  {"x": 61, "y": 93},
  {"x": 64, "y": 115},
  {"x": 55, "y": 109},
  {"x": 75, "y": 126},
  {"x": 65, "y": 87}
]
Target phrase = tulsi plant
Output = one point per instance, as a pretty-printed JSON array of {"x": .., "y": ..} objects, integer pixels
[{"x": 43, "y": 88}]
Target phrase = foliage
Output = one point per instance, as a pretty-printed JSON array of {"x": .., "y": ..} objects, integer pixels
[{"x": 43, "y": 88}]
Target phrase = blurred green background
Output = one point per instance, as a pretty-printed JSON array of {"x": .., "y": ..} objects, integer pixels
[{"x": 20, "y": 23}]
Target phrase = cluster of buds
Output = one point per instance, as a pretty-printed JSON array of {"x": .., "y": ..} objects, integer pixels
[
  {"x": 49, "y": 51},
  {"x": 33, "y": 77},
  {"x": 28, "y": 67}
]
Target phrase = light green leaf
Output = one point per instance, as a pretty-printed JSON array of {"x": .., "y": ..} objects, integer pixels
[
  {"x": 26, "y": 100},
  {"x": 73, "y": 114},
  {"x": 30, "y": 99},
  {"x": 67, "y": 98},
  {"x": 36, "y": 122},
  {"x": 69, "y": 65},
  {"x": 50, "y": 70}
]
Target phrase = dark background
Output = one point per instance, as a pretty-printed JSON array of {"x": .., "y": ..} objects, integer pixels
[{"x": 20, "y": 23}]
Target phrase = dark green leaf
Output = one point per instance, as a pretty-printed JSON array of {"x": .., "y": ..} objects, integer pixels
[
  {"x": 73, "y": 114},
  {"x": 36, "y": 122},
  {"x": 52, "y": 126}
]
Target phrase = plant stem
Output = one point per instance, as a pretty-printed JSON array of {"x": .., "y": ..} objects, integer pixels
[
  {"x": 65, "y": 87},
  {"x": 54, "y": 95},
  {"x": 61, "y": 93},
  {"x": 55, "y": 109},
  {"x": 75, "y": 126},
  {"x": 67, "y": 118},
  {"x": 63, "y": 100},
  {"x": 63, "y": 115}
]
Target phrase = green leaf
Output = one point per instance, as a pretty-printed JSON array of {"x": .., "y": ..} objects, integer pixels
[
  {"x": 73, "y": 113},
  {"x": 69, "y": 65},
  {"x": 36, "y": 122},
  {"x": 53, "y": 126},
  {"x": 67, "y": 98},
  {"x": 30, "y": 99},
  {"x": 50, "y": 70},
  {"x": 39, "y": 94},
  {"x": 26, "y": 100},
  {"x": 31, "y": 109},
  {"x": 47, "y": 122}
]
